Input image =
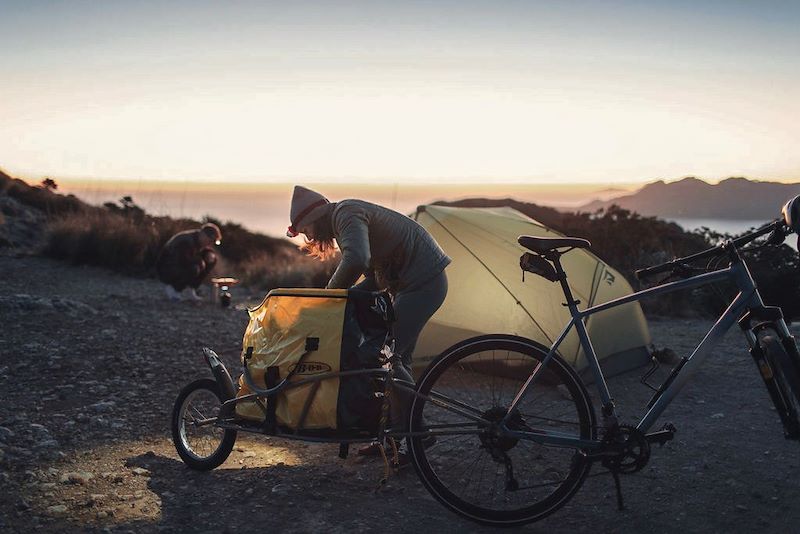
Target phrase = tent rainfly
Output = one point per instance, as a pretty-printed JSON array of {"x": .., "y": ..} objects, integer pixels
[{"x": 488, "y": 296}]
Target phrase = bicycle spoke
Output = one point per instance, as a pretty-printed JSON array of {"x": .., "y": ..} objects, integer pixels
[{"x": 470, "y": 469}]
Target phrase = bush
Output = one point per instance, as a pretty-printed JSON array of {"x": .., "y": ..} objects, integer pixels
[
  {"x": 269, "y": 272},
  {"x": 124, "y": 238},
  {"x": 105, "y": 239}
]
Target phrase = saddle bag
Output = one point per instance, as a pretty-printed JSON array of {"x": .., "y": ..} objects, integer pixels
[{"x": 301, "y": 334}]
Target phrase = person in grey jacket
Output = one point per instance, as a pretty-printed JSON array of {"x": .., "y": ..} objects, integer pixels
[{"x": 391, "y": 251}]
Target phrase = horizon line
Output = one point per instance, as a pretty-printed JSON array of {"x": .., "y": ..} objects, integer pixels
[{"x": 384, "y": 181}]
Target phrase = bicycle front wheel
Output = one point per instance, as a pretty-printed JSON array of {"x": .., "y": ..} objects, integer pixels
[
  {"x": 480, "y": 473},
  {"x": 786, "y": 374}
]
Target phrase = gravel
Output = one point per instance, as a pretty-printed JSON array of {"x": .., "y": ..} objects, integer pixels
[{"x": 92, "y": 362}]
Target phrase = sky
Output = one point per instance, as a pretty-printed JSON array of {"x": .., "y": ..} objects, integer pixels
[{"x": 416, "y": 92}]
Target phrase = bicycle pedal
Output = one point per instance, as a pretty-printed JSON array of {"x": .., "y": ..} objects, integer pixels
[{"x": 667, "y": 433}]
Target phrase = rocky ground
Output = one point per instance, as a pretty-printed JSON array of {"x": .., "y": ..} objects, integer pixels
[{"x": 90, "y": 363}]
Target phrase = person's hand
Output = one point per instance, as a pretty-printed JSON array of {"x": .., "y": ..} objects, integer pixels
[
  {"x": 209, "y": 257},
  {"x": 198, "y": 267}
]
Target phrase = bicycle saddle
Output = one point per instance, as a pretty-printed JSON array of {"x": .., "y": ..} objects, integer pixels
[{"x": 546, "y": 244}]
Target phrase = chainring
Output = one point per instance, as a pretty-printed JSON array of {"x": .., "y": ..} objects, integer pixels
[{"x": 633, "y": 449}]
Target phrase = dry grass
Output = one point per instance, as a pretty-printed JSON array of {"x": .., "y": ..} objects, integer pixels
[
  {"x": 130, "y": 243},
  {"x": 99, "y": 237},
  {"x": 267, "y": 271}
]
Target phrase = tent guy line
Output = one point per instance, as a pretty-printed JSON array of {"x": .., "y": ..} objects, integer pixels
[{"x": 519, "y": 303}]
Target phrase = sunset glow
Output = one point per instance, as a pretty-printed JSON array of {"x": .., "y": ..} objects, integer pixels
[{"x": 449, "y": 91}]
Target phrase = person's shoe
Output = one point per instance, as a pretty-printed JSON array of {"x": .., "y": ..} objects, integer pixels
[
  {"x": 404, "y": 456},
  {"x": 403, "y": 460},
  {"x": 171, "y": 293},
  {"x": 373, "y": 449}
]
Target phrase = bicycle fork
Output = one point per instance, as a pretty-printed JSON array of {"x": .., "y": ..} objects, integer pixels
[{"x": 770, "y": 317}]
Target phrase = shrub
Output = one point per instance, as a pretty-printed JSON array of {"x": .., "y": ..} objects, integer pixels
[
  {"x": 124, "y": 238},
  {"x": 269, "y": 272}
]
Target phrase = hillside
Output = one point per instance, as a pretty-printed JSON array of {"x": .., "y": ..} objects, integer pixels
[
  {"x": 734, "y": 198},
  {"x": 123, "y": 237}
]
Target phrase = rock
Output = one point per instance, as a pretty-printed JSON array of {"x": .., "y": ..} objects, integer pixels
[
  {"x": 47, "y": 444},
  {"x": 24, "y": 303},
  {"x": 39, "y": 431},
  {"x": 57, "y": 509},
  {"x": 718, "y": 415},
  {"x": 99, "y": 422},
  {"x": 5, "y": 434},
  {"x": 53, "y": 454},
  {"x": 78, "y": 477},
  {"x": 249, "y": 454},
  {"x": 281, "y": 489},
  {"x": 102, "y": 407},
  {"x": 140, "y": 471},
  {"x": 101, "y": 514},
  {"x": 20, "y": 452},
  {"x": 666, "y": 355}
]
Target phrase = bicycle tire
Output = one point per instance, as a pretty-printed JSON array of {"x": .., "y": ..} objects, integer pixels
[
  {"x": 225, "y": 438},
  {"x": 786, "y": 375},
  {"x": 514, "y": 508}
]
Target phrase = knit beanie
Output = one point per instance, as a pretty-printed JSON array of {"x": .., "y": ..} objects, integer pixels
[
  {"x": 306, "y": 208},
  {"x": 212, "y": 230}
]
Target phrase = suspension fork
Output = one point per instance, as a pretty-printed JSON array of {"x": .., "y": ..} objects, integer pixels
[{"x": 771, "y": 317}]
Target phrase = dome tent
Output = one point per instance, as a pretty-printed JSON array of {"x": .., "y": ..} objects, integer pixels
[{"x": 487, "y": 294}]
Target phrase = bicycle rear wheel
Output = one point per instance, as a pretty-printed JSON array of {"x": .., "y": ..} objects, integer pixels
[
  {"x": 468, "y": 469},
  {"x": 785, "y": 365}
]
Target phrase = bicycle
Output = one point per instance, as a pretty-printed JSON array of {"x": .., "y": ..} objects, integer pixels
[
  {"x": 538, "y": 447},
  {"x": 511, "y": 463}
]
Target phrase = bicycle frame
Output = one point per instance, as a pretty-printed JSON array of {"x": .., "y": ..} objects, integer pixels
[{"x": 747, "y": 298}]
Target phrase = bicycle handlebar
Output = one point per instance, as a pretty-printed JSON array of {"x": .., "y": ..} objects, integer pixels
[{"x": 777, "y": 227}]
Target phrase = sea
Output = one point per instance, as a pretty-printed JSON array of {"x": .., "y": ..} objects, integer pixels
[{"x": 264, "y": 207}]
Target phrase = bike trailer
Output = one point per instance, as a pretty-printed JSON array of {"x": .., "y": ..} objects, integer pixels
[{"x": 303, "y": 334}]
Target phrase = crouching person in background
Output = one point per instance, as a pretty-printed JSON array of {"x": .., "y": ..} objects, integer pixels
[{"x": 186, "y": 259}]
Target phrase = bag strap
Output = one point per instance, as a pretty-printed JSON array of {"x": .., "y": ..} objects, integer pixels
[{"x": 271, "y": 379}]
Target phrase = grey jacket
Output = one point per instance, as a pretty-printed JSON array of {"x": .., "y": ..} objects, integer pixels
[{"x": 391, "y": 250}]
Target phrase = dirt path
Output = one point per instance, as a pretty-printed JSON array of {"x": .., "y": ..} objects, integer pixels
[{"x": 90, "y": 363}]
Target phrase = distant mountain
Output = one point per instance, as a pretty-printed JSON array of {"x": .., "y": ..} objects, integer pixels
[{"x": 734, "y": 198}]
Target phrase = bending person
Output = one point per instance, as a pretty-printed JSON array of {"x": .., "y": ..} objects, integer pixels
[
  {"x": 186, "y": 259},
  {"x": 393, "y": 252}
]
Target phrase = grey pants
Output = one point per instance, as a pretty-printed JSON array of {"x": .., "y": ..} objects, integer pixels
[{"x": 412, "y": 310}]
